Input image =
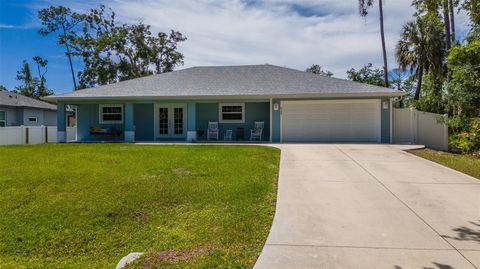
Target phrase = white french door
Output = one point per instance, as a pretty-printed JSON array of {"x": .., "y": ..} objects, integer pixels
[{"x": 170, "y": 120}]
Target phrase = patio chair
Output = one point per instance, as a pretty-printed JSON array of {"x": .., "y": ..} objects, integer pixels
[
  {"x": 212, "y": 131},
  {"x": 228, "y": 135},
  {"x": 257, "y": 131}
]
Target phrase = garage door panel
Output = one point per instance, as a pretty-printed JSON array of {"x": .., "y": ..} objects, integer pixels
[{"x": 330, "y": 121}]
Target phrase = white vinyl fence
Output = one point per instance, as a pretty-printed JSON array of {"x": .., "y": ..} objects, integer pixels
[
  {"x": 33, "y": 135},
  {"x": 411, "y": 126}
]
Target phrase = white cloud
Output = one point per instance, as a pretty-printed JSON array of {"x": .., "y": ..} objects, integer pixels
[
  {"x": 12, "y": 26},
  {"x": 281, "y": 32},
  {"x": 7, "y": 26}
]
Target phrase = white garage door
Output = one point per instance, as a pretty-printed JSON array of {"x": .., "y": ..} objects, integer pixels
[{"x": 331, "y": 121}]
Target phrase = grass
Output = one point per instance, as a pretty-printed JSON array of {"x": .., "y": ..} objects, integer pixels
[
  {"x": 467, "y": 164},
  {"x": 88, "y": 205}
]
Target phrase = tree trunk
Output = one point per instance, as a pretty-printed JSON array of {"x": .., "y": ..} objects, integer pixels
[
  {"x": 382, "y": 33},
  {"x": 452, "y": 20},
  {"x": 419, "y": 82},
  {"x": 446, "y": 18},
  {"x": 69, "y": 59},
  {"x": 39, "y": 73}
]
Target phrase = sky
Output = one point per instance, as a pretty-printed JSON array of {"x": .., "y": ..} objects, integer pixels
[{"x": 290, "y": 33}]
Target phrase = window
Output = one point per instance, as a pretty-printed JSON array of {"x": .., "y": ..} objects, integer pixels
[
  {"x": 3, "y": 119},
  {"x": 111, "y": 114},
  {"x": 232, "y": 113},
  {"x": 32, "y": 119}
]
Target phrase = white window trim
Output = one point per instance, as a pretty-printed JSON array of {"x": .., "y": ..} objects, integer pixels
[
  {"x": 5, "y": 120},
  {"x": 100, "y": 114},
  {"x": 231, "y": 104}
]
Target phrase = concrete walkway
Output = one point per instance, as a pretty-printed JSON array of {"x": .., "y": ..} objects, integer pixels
[{"x": 371, "y": 206}]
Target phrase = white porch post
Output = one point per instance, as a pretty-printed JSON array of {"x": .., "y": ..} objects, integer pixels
[{"x": 191, "y": 122}]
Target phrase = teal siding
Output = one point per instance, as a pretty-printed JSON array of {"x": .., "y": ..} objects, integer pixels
[
  {"x": 128, "y": 116},
  {"x": 276, "y": 121},
  {"x": 203, "y": 112},
  {"x": 61, "y": 122},
  {"x": 191, "y": 116},
  {"x": 87, "y": 116},
  {"x": 143, "y": 121},
  {"x": 385, "y": 126},
  {"x": 256, "y": 111}
]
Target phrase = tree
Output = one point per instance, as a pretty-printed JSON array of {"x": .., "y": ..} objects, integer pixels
[
  {"x": 472, "y": 7},
  {"x": 63, "y": 21},
  {"x": 42, "y": 89},
  {"x": 364, "y": 5},
  {"x": 25, "y": 76},
  {"x": 34, "y": 87},
  {"x": 317, "y": 69},
  {"x": 451, "y": 7},
  {"x": 446, "y": 18},
  {"x": 113, "y": 53},
  {"x": 367, "y": 74},
  {"x": 421, "y": 48},
  {"x": 464, "y": 87},
  {"x": 398, "y": 78}
]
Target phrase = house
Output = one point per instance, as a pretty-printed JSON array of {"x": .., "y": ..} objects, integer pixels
[
  {"x": 16, "y": 110},
  {"x": 295, "y": 106}
]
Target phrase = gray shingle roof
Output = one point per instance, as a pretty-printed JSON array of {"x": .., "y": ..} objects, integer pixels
[
  {"x": 224, "y": 81},
  {"x": 18, "y": 100}
]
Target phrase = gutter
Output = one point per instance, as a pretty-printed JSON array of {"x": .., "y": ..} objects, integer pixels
[
  {"x": 30, "y": 107},
  {"x": 60, "y": 98}
]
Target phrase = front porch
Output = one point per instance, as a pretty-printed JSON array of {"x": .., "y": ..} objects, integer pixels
[{"x": 166, "y": 121}]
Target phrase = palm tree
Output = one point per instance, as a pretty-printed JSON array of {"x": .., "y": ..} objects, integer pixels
[
  {"x": 421, "y": 48},
  {"x": 363, "y": 6},
  {"x": 446, "y": 18}
]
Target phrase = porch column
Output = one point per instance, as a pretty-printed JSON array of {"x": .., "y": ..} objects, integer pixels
[
  {"x": 61, "y": 123},
  {"x": 191, "y": 121},
  {"x": 129, "y": 134}
]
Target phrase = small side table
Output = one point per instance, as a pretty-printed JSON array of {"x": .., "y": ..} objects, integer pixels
[
  {"x": 240, "y": 134},
  {"x": 200, "y": 133}
]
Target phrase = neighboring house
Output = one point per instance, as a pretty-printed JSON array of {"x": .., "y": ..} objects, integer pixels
[
  {"x": 16, "y": 110},
  {"x": 295, "y": 106}
]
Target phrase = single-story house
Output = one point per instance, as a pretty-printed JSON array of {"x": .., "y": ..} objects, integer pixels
[
  {"x": 294, "y": 106},
  {"x": 16, "y": 110}
]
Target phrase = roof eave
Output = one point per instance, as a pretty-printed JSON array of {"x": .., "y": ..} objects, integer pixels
[
  {"x": 31, "y": 107},
  {"x": 60, "y": 98}
]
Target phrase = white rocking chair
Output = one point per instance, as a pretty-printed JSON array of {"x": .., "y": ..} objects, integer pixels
[
  {"x": 212, "y": 131},
  {"x": 257, "y": 131}
]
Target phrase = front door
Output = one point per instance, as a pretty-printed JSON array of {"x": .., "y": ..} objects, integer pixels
[{"x": 170, "y": 120}]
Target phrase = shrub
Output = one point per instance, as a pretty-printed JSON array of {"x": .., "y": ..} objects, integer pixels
[{"x": 469, "y": 139}]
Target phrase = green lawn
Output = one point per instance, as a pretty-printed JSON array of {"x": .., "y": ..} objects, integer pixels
[
  {"x": 467, "y": 164},
  {"x": 88, "y": 205}
]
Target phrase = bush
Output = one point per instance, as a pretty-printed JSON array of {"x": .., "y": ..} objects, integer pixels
[{"x": 467, "y": 140}]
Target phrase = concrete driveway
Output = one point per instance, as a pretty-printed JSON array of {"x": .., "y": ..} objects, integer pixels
[{"x": 371, "y": 206}]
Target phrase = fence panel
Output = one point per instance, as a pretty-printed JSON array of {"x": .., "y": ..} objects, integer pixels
[
  {"x": 33, "y": 135},
  {"x": 431, "y": 133},
  {"x": 403, "y": 129},
  {"x": 36, "y": 134},
  {"x": 11, "y": 135},
  {"x": 411, "y": 126},
  {"x": 52, "y": 134}
]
